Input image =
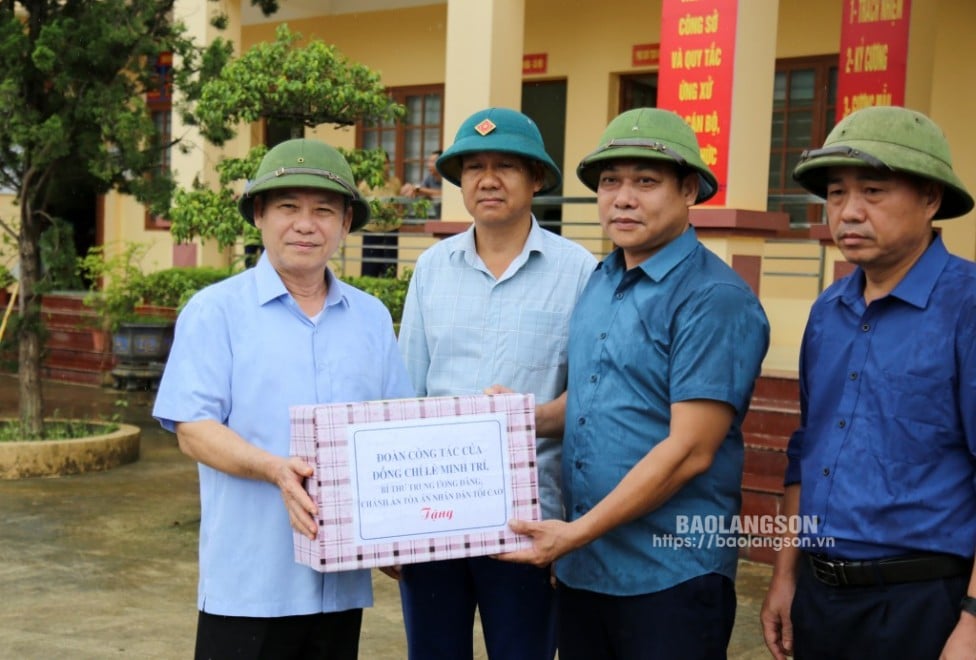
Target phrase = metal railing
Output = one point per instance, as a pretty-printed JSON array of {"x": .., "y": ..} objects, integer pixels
[{"x": 387, "y": 251}]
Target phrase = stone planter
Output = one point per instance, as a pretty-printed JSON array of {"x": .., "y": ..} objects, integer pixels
[
  {"x": 141, "y": 349},
  {"x": 49, "y": 458},
  {"x": 140, "y": 343}
]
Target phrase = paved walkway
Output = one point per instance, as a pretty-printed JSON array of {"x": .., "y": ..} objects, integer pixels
[{"x": 103, "y": 565}]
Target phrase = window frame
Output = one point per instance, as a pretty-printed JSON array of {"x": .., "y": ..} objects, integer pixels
[
  {"x": 627, "y": 84},
  {"x": 398, "y": 159},
  {"x": 823, "y": 118},
  {"x": 160, "y": 104}
]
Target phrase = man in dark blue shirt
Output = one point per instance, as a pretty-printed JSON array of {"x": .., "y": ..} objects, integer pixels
[{"x": 885, "y": 457}]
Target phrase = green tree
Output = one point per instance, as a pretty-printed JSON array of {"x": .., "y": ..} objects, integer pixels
[
  {"x": 73, "y": 81},
  {"x": 302, "y": 85}
]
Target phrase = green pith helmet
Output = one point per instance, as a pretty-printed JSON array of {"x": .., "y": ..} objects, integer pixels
[
  {"x": 305, "y": 163},
  {"x": 887, "y": 138},
  {"x": 649, "y": 134},
  {"x": 502, "y": 130}
]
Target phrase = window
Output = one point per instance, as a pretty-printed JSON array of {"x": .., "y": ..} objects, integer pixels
[
  {"x": 410, "y": 141},
  {"x": 804, "y": 109},
  {"x": 160, "y": 102},
  {"x": 638, "y": 91},
  {"x": 277, "y": 131}
]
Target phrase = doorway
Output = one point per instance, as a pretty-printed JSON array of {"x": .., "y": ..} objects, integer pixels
[{"x": 545, "y": 103}]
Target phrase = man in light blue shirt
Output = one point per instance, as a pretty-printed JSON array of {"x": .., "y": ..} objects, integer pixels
[
  {"x": 490, "y": 306},
  {"x": 665, "y": 345},
  {"x": 286, "y": 332}
]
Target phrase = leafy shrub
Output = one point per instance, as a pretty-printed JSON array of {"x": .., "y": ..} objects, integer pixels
[
  {"x": 172, "y": 287},
  {"x": 124, "y": 286},
  {"x": 112, "y": 281},
  {"x": 6, "y": 277},
  {"x": 392, "y": 291}
]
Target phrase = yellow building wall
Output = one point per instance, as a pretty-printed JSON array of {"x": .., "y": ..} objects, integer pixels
[
  {"x": 808, "y": 28},
  {"x": 591, "y": 61},
  {"x": 589, "y": 44},
  {"x": 10, "y": 214},
  {"x": 953, "y": 100},
  {"x": 124, "y": 222}
]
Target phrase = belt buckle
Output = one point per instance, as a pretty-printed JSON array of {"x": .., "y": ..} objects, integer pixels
[{"x": 829, "y": 572}]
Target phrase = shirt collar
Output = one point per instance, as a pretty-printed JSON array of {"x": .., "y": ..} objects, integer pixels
[
  {"x": 466, "y": 247},
  {"x": 270, "y": 286},
  {"x": 917, "y": 285},
  {"x": 662, "y": 262}
]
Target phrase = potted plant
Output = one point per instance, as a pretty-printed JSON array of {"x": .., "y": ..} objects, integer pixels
[
  {"x": 139, "y": 309},
  {"x": 112, "y": 294},
  {"x": 139, "y": 343}
]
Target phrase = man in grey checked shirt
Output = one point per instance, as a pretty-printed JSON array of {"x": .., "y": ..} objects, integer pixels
[{"x": 488, "y": 306}]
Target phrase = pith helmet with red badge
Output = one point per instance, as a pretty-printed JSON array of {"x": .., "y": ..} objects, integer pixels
[{"x": 504, "y": 131}]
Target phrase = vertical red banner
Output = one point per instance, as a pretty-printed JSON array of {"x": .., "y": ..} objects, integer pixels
[
  {"x": 695, "y": 76},
  {"x": 873, "y": 54}
]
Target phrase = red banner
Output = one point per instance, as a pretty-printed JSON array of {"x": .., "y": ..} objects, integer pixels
[
  {"x": 695, "y": 76},
  {"x": 873, "y": 54}
]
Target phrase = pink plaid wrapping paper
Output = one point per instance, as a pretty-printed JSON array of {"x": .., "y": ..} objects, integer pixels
[{"x": 319, "y": 436}]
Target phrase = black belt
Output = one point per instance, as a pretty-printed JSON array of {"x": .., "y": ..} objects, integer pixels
[{"x": 910, "y": 568}]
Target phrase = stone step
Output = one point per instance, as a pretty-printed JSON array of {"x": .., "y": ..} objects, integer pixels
[
  {"x": 767, "y": 462},
  {"x": 81, "y": 319},
  {"x": 73, "y": 353},
  {"x": 761, "y": 496},
  {"x": 79, "y": 376},
  {"x": 777, "y": 387},
  {"x": 769, "y": 484},
  {"x": 770, "y": 421}
]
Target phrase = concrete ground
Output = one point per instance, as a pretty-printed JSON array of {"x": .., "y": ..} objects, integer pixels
[{"x": 103, "y": 565}]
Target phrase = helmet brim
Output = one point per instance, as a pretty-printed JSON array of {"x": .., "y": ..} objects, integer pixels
[
  {"x": 589, "y": 169},
  {"x": 449, "y": 163},
  {"x": 956, "y": 200},
  {"x": 360, "y": 208}
]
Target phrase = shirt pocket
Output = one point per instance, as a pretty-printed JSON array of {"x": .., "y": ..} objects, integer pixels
[
  {"x": 920, "y": 421},
  {"x": 541, "y": 338}
]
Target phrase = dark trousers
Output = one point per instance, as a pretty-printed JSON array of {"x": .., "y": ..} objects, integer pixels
[
  {"x": 329, "y": 636},
  {"x": 515, "y": 601},
  {"x": 690, "y": 621},
  {"x": 911, "y": 620}
]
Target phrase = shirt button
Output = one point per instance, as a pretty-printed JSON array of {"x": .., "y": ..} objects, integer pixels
[
  {"x": 853, "y": 375},
  {"x": 866, "y": 327},
  {"x": 603, "y": 335},
  {"x": 593, "y": 378},
  {"x": 826, "y": 472},
  {"x": 579, "y": 465},
  {"x": 578, "y": 508},
  {"x": 619, "y": 296},
  {"x": 581, "y": 421},
  {"x": 841, "y": 423}
]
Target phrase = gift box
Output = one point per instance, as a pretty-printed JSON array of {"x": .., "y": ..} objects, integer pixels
[{"x": 414, "y": 480}]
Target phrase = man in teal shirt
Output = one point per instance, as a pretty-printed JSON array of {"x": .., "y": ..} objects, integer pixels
[{"x": 665, "y": 345}]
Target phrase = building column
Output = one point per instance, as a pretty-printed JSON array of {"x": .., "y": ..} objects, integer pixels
[
  {"x": 200, "y": 159},
  {"x": 752, "y": 104}
]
